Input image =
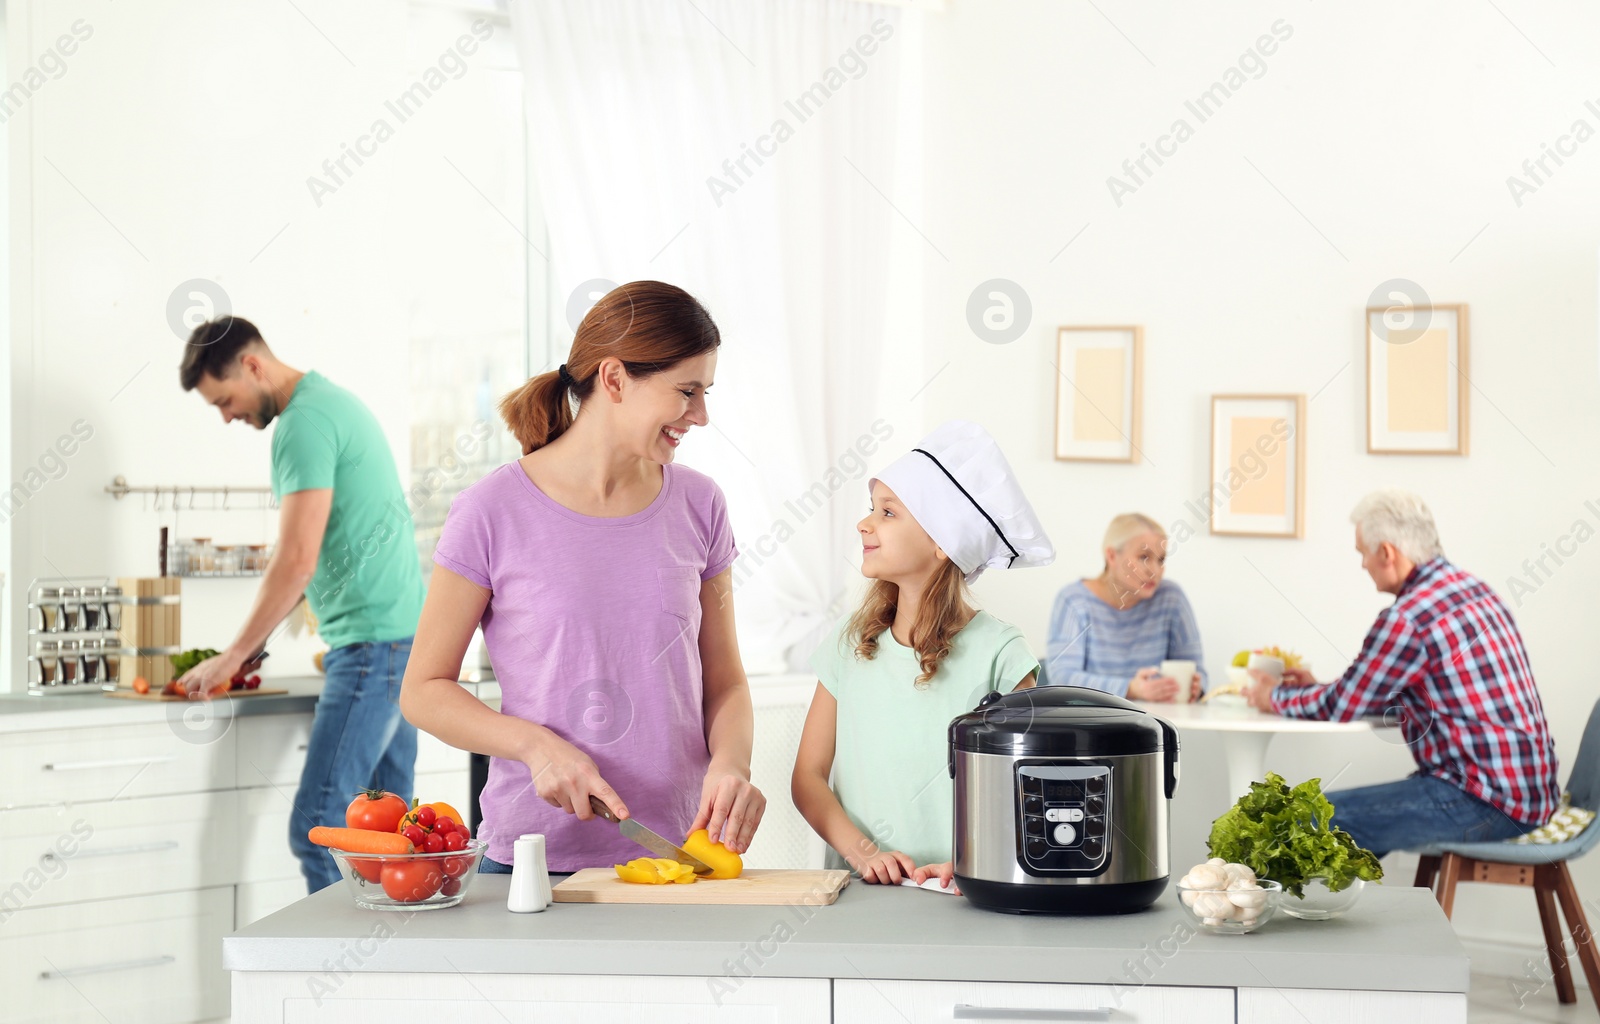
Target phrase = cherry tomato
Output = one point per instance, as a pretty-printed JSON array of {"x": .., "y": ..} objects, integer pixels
[
  {"x": 377, "y": 810},
  {"x": 426, "y": 816},
  {"x": 454, "y": 841},
  {"x": 411, "y": 881},
  {"x": 444, "y": 826},
  {"x": 451, "y": 886},
  {"x": 415, "y": 833},
  {"x": 434, "y": 843},
  {"x": 455, "y": 867}
]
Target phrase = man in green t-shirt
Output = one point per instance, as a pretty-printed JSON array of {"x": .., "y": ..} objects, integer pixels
[{"x": 345, "y": 541}]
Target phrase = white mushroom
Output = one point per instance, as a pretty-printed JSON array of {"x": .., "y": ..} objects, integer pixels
[{"x": 1207, "y": 876}]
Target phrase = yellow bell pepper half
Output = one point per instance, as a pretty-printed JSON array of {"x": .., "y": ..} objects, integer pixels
[{"x": 723, "y": 862}]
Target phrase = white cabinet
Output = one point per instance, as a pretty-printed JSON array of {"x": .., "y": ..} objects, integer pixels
[
  {"x": 272, "y": 750},
  {"x": 145, "y": 960},
  {"x": 863, "y": 1001},
  {"x": 342, "y": 998}
]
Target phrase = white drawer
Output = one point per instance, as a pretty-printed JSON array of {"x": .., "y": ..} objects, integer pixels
[
  {"x": 147, "y": 960},
  {"x": 254, "y": 900},
  {"x": 272, "y": 749},
  {"x": 435, "y": 755},
  {"x": 344, "y": 997},
  {"x": 114, "y": 761},
  {"x": 922, "y": 1002},
  {"x": 109, "y": 849}
]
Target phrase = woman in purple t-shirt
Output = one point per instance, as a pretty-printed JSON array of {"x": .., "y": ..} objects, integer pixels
[{"x": 600, "y": 573}]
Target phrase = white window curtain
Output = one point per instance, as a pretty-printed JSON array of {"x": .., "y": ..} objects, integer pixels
[{"x": 747, "y": 153}]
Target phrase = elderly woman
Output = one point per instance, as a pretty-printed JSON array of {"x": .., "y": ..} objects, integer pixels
[{"x": 1113, "y": 632}]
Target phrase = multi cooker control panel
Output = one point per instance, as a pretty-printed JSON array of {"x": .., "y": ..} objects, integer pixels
[{"x": 1066, "y": 817}]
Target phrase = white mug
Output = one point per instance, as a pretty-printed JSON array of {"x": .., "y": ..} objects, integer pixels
[
  {"x": 1183, "y": 672},
  {"x": 1272, "y": 666}
]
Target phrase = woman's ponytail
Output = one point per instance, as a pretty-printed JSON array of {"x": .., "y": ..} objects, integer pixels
[{"x": 538, "y": 412}]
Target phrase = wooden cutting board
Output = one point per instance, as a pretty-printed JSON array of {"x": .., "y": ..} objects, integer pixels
[
  {"x": 756, "y": 887},
  {"x": 157, "y": 695}
]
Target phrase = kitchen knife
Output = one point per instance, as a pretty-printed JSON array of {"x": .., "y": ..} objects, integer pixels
[{"x": 631, "y": 829}]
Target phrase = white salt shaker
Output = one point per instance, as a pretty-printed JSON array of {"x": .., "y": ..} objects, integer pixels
[{"x": 530, "y": 877}]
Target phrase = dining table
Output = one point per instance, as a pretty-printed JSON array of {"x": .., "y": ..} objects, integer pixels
[{"x": 1247, "y": 733}]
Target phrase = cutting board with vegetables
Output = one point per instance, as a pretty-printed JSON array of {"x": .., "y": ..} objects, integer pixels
[
  {"x": 159, "y": 696},
  {"x": 756, "y": 887}
]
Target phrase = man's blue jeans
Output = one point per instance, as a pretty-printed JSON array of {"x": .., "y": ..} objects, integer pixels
[
  {"x": 358, "y": 741},
  {"x": 1417, "y": 811}
]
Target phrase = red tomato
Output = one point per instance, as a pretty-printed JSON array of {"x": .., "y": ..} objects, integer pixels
[
  {"x": 455, "y": 867},
  {"x": 371, "y": 870},
  {"x": 376, "y": 810},
  {"x": 415, "y": 833},
  {"x": 411, "y": 881},
  {"x": 455, "y": 841},
  {"x": 434, "y": 843},
  {"x": 451, "y": 886},
  {"x": 444, "y": 826},
  {"x": 426, "y": 816}
]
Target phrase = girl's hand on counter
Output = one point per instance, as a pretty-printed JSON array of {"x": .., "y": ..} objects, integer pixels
[
  {"x": 566, "y": 777},
  {"x": 886, "y": 867},
  {"x": 730, "y": 807},
  {"x": 945, "y": 873}
]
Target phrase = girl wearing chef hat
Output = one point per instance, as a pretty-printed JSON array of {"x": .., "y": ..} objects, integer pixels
[{"x": 915, "y": 655}]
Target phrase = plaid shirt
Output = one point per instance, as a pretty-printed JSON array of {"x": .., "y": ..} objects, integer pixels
[{"x": 1447, "y": 662}]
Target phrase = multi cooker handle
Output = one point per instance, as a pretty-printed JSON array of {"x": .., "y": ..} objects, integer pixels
[{"x": 1169, "y": 744}]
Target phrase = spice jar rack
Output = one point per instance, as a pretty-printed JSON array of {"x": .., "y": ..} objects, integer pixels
[{"x": 74, "y": 635}]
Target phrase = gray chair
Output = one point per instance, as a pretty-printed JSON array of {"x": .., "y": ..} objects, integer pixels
[{"x": 1543, "y": 867}]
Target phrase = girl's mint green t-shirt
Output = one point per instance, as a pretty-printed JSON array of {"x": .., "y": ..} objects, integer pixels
[{"x": 890, "y": 760}]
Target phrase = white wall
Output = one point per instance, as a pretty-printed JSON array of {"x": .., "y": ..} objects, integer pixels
[
  {"x": 177, "y": 145},
  {"x": 1392, "y": 130}
]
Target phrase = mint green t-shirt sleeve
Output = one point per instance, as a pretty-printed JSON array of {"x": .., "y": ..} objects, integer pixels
[
  {"x": 828, "y": 661},
  {"x": 304, "y": 454},
  {"x": 1014, "y": 661}
]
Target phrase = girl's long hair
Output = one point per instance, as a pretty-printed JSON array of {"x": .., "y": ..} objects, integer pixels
[
  {"x": 649, "y": 325},
  {"x": 938, "y": 619}
]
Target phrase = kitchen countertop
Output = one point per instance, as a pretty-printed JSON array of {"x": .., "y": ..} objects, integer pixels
[
  {"x": 1395, "y": 939},
  {"x": 22, "y": 713}
]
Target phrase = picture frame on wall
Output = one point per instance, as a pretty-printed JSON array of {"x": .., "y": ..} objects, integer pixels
[
  {"x": 1258, "y": 465},
  {"x": 1417, "y": 385},
  {"x": 1099, "y": 390}
]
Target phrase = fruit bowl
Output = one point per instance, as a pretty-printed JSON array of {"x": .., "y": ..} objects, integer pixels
[
  {"x": 410, "y": 881},
  {"x": 1245, "y": 910}
]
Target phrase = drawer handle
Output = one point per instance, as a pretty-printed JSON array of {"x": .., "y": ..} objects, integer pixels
[
  {"x": 966, "y": 1011},
  {"x": 118, "y": 762},
  {"x": 123, "y": 965},
  {"x": 118, "y": 851}
]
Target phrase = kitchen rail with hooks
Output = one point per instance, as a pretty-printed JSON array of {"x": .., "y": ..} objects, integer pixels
[{"x": 221, "y": 497}]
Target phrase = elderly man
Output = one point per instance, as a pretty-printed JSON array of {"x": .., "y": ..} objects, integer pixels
[{"x": 1446, "y": 660}]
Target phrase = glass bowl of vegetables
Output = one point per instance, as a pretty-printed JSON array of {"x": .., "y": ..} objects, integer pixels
[{"x": 410, "y": 881}]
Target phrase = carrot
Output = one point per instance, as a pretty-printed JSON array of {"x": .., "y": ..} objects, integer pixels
[{"x": 361, "y": 840}]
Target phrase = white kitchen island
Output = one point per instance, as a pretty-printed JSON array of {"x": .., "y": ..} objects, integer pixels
[{"x": 878, "y": 954}]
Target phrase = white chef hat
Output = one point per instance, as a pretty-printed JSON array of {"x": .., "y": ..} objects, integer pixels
[{"x": 958, "y": 485}]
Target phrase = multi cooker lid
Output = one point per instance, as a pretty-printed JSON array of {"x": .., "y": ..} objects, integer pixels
[{"x": 1056, "y": 721}]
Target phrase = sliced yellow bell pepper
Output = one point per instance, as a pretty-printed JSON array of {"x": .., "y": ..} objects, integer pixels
[{"x": 643, "y": 876}]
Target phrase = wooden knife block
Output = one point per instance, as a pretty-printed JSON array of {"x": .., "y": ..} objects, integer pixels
[{"x": 153, "y": 624}]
